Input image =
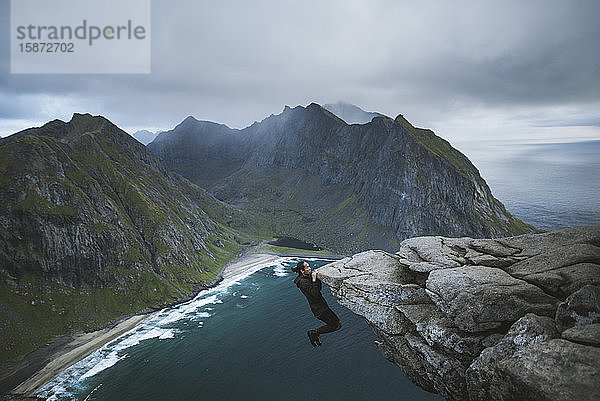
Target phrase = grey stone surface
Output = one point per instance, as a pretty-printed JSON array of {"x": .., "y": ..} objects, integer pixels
[
  {"x": 580, "y": 308},
  {"x": 572, "y": 267},
  {"x": 483, "y": 378},
  {"x": 437, "y": 330},
  {"x": 504, "y": 319},
  {"x": 588, "y": 334},
  {"x": 553, "y": 370},
  {"x": 479, "y": 298}
]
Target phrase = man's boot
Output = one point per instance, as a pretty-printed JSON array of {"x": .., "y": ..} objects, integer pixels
[{"x": 313, "y": 336}]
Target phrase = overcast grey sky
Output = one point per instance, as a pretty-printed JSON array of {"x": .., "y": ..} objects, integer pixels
[{"x": 470, "y": 70}]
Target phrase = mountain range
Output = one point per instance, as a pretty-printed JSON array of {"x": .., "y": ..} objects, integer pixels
[
  {"x": 344, "y": 187},
  {"x": 95, "y": 225}
]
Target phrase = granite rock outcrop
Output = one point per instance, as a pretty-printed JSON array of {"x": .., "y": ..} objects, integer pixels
[{"x": 477, "y": 319}]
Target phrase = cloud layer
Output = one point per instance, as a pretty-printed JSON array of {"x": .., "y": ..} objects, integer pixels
[{"x": 483, "y": 64}]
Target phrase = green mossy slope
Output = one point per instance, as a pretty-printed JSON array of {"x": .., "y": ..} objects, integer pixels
[{"x": 93, "y": 227}]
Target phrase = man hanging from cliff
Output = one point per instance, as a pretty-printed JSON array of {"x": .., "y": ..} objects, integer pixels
[{"x": 310, "y": 286}]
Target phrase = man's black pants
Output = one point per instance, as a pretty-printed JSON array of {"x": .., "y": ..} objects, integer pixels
[{"x": 333, "y": 322}]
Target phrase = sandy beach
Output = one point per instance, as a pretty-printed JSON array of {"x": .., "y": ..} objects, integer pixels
[
  {"x": 245, "y": 263},
  {"x": 81, "y": 346},
  {"x": 42, "y": 369}
]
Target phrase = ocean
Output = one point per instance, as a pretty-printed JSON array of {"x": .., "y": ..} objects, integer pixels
[
  {"x": 242, "y": 340},
  {"x": 550, "y": 186}
]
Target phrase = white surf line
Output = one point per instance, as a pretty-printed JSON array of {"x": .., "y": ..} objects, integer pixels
[{"x": 92, "y": 392}]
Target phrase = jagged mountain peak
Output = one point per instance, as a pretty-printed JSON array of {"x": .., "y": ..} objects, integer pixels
[
  {"x": 316, "y": 108},
  {"x": 300, "y": 116},
  {"x": 83, "y": 117},
  {"x": 401, "y": 120},
  {"x": 192, "y": 129},
  {"x": 78, "y": 125},
  {"x": 190, "y": 122},
  {"x": 296, "y": 114}
]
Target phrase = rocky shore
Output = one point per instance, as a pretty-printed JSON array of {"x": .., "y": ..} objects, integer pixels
[{"x": 477, "y": 319}]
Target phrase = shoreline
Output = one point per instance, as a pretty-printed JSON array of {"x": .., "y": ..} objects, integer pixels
[
  {"x": 82, "y": 345},
  {"x": 42, "y": 365}
]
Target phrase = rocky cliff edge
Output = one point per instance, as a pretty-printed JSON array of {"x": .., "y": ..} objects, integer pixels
[{"x": 504, "y": 319}]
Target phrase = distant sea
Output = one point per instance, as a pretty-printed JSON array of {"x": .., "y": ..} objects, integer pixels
[{"x": 550, "y": 186}]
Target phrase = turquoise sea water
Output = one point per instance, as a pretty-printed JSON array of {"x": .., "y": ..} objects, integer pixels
[{"x": 244, "y": 340}]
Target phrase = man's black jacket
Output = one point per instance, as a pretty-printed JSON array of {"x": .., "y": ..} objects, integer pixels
[{"x": 312, "y": 292}]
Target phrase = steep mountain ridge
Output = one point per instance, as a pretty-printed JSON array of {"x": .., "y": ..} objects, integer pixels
[
  {"x": 94, "y": 226},
  {"x": 345, "y": 187}
]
